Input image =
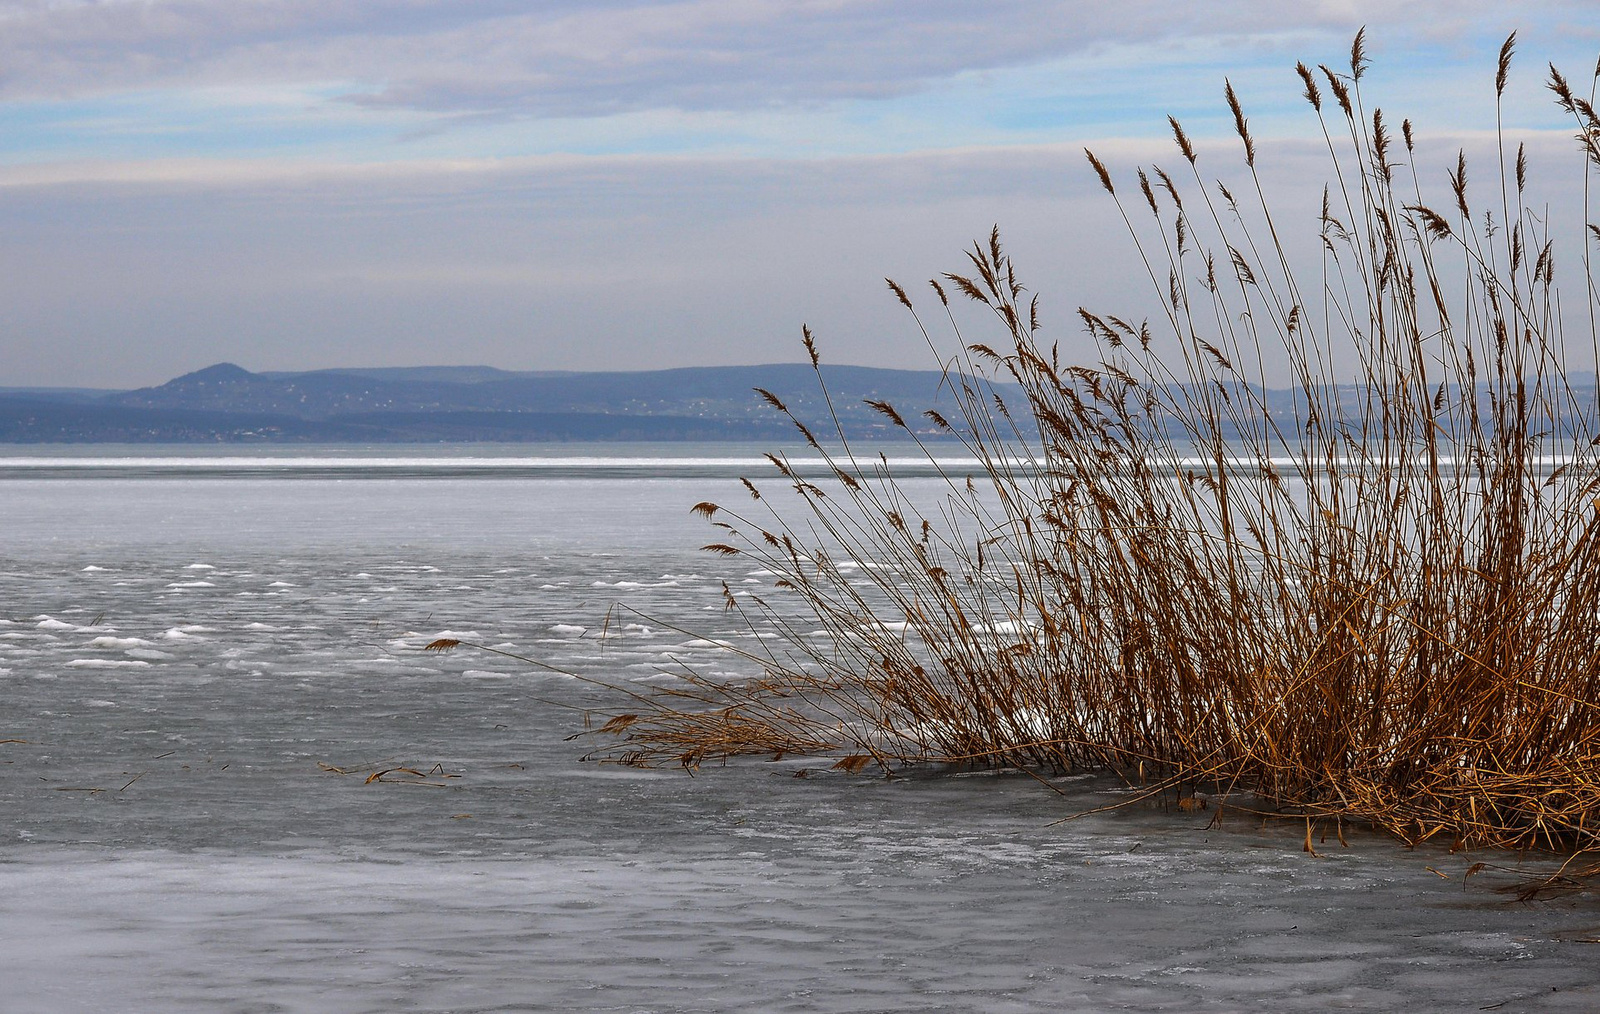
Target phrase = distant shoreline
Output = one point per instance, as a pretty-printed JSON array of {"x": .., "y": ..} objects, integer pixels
[{"x": 226, "y": 404}]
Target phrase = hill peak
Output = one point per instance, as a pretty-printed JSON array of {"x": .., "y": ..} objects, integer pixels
[{"x": 220, "y": 373}]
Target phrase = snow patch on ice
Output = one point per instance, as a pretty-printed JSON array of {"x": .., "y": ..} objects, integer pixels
[
  {"x": 106, "y": 663},
  {"x": 118, "y": 642}
]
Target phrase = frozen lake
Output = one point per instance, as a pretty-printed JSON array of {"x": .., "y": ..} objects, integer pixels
[{"x": 202, "y": 664}]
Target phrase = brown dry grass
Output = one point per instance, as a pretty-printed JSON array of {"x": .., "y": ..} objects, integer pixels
[{"x": 1378, "y": 599}]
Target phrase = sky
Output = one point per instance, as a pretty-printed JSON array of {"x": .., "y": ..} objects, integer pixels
[{"x": 613, "y": 184}]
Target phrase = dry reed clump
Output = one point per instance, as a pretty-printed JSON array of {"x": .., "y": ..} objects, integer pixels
[{"x": 1374, "y": 596}]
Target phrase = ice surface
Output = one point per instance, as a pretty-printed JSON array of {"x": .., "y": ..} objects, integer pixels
[{"x": 201, "y": 834}]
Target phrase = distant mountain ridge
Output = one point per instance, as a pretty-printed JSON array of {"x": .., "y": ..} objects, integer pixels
[{"x": 225, "y": 403}]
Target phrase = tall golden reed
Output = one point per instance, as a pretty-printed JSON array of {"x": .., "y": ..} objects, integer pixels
[{"x": 1374, "y": 596}]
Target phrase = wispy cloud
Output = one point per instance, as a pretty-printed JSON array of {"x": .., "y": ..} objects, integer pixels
[
  {"x": 570, "y": 58},
  {"x": 406, "y": 79}
]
